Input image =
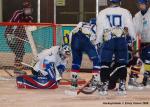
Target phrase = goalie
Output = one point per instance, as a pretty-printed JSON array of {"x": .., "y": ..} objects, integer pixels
[{"x": 48, "y": 70}]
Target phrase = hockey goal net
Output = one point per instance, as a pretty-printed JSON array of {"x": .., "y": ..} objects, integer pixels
[{"x": 23, "y": 41}]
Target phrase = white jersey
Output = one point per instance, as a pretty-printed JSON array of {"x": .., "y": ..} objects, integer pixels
[
  {"x": 110, "y": 18},
  {"x": 86, "y": 28},
  {"x": 51, "y": 56},
  {"x": 142, "y": 25}
]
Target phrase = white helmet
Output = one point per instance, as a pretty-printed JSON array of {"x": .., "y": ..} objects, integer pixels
[{"x": 65, "y": 50}]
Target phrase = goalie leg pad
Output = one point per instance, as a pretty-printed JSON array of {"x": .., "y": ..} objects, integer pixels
[{"x": 34, "y": 82}]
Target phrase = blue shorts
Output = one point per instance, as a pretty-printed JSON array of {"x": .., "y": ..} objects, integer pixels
[{"x": 117, "y": 47}]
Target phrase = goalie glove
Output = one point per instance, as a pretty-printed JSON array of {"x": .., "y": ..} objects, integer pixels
[{"x": 61, "y": 69}]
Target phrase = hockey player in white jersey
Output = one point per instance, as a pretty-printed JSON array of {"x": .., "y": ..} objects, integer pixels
[
  {"x": 81, "y": 39},
  {"x": 142, "y": 28},
  {"x": 111, "y": 23},
  {"x": 53, "y": 58}
]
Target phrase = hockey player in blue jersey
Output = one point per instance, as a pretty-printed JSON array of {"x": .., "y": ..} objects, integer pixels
[
  {"x": 81, "y": 39},
  {"x": 111, "y": 23}
]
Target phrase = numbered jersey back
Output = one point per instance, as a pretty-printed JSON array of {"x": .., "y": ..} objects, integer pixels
[{"x": 115, "y": 17}]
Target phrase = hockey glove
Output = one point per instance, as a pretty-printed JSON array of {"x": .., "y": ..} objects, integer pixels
[{"x": 61, "y": 69}]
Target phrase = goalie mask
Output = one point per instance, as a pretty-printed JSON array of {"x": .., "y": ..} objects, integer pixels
[{"x": 65, "y": 51}]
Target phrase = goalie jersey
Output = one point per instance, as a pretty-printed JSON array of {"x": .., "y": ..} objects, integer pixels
[
  {"x": 46, "y": 57},
  {"x": 49, "y": 56}
]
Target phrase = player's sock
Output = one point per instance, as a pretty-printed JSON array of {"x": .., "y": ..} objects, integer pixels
[
  {"x": 95, "y": 78},
  {"x": 74, "y": 80}
]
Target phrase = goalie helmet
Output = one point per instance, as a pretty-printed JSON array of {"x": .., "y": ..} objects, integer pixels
[
  {"x": 115, "y": 1},
  {"x": 65, "y": 50}
]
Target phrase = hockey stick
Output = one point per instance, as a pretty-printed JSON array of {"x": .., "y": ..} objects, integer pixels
[
  {"x": 78, "y": 91},
  {"x": 90, "y": 90},
  {"x": 8, "y": 73},
  {"x": 25, "y": 64}
]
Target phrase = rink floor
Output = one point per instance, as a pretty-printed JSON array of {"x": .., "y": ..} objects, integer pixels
[{"x": 11, "y": 96}]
